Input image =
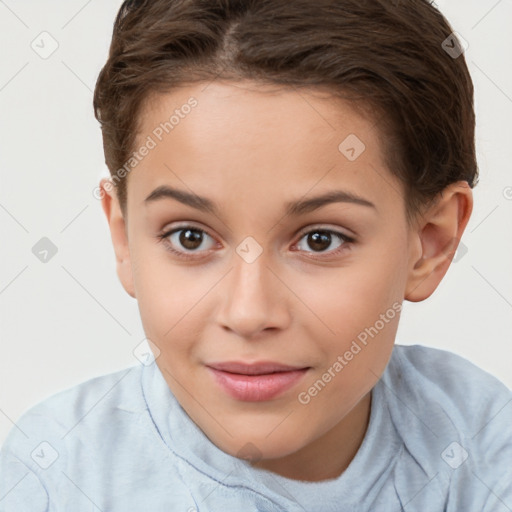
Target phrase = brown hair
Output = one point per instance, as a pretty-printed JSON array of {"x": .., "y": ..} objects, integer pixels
[{"x": 385, "y": 55}]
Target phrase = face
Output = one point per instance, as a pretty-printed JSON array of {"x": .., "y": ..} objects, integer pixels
[{"x": 259, "y": 270}]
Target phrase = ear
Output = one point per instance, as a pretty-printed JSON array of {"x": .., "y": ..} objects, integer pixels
[
  {"x": 116, "y": 221},
  {"x": 435, "y": 238}
]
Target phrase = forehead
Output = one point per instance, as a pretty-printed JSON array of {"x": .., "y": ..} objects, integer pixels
[{"x": 248, "y": 139}]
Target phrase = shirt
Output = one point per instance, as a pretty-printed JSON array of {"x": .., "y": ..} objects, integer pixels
[{"x": 439, "y": 438}]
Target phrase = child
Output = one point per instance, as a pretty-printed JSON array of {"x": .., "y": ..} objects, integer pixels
[{"x": 284, "y": 174}]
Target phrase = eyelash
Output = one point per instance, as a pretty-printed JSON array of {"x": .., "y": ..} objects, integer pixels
[{"x": 347, "y": 240}]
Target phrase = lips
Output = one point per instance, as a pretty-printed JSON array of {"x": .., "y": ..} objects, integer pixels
[
  {"x": 256, "y": 382},
  {"x": 259, "y": 368}
]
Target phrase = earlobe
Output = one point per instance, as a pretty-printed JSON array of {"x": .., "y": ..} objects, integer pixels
[
  {"x": 117, "y": 225},
  {"x": 434, "y": 243}
]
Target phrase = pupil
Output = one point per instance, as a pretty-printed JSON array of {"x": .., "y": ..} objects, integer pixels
[
  {"x": 319, "y": 240},
  {"x": 189, "y": 237}
]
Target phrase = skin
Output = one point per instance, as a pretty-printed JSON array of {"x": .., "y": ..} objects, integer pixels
[{"x": 251, "y": 150}]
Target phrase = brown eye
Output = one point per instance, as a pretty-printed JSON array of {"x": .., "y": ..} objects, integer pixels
[
  {"x": 187, "y": 241},
  {"x": 190, "y": 238},
  {"x": 320, "y": 240}
]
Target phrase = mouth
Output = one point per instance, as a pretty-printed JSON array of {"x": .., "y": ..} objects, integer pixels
[
  {"x": 258, "y": 368},
  {"x": 256, "y": 382}
]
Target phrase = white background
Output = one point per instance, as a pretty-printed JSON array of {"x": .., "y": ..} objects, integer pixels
[{"x": 68, "y": 320}]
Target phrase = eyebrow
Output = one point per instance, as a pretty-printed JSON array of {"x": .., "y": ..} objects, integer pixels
[{"x": 292, "y": 208}]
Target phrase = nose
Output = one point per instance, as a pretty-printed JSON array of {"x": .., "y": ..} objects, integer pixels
[{"x": 255, "y": 299}]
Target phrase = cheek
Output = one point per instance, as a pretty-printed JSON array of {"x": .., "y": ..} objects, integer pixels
[
  {"x": 169, "y": 296},
  {"x": 352, "y": 297},
  {"x": 362, "y": 315}
]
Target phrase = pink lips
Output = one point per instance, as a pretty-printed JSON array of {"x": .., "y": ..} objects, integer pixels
[{"x": 255, "y": 382}]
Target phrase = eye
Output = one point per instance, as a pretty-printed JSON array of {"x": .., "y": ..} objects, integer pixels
[
  {"x": 188, "y": 237},
  {"x": 320, "y": 239},
  {"x": 186, "y": 241}
]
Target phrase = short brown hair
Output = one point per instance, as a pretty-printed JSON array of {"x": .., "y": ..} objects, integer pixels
[{"x": 385, "y": 56}]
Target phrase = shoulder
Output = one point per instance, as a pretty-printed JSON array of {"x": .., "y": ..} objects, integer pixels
[
  {"x": 455, "y": 419},
  {"x": 57, "y": 425},
  {"x": 63, "y": 409},
  {"x": 451, "y": 374}
]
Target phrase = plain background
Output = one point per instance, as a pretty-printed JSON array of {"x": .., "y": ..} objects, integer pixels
[{"x": 67, "y": 320}]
